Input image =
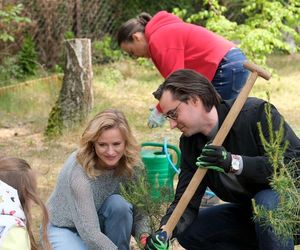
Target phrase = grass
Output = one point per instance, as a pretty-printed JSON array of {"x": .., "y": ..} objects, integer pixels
[
  {"x": 123, "y": 85},
  {"x": 283, "y": 87}
]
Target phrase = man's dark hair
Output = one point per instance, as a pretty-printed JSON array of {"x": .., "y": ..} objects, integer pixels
[{"x": 185, "y": 84}]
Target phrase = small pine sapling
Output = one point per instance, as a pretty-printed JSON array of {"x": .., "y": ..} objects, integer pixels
[
  {"x": 138, "y": 193},
  {"x": 285, "y": 219}
]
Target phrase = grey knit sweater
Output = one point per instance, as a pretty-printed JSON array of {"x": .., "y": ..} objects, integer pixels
[{"x": 77, "y": 198}]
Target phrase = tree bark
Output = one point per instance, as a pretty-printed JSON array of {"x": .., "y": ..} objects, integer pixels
[
  {"x": 77, "y": 19},
  {"x": 76, "y": 96}
]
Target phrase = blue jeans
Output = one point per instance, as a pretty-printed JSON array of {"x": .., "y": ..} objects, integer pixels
[
  {"x": 231, "y": 76},
  {"x": 230, "y": 227},
  {"x": 115, "y": 218}
]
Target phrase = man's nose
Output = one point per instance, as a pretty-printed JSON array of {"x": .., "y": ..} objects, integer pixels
[{"x": 173, "y": 123}]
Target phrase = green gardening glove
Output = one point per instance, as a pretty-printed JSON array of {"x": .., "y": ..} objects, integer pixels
[
  {"x": 157, "y": 241},
  {"x": 215, "y": 158}
]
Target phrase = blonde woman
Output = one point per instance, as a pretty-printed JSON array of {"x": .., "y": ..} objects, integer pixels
[{"x": 86, "y": 209}]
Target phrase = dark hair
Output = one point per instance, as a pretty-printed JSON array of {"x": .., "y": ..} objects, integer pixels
[
  {"x": 185, "y": 84},
  {"x": 132, "y": 26},
  {"x": 18, "y": 174}
]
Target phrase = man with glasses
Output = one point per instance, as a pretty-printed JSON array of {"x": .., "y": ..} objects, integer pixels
[{"x": 237, "y": 172}]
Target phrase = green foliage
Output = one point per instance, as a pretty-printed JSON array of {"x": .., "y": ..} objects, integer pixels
[
  {"x": 18, "y": 67},
  {"x": 103, "y": 51},
  {"x": 138, "y": 193},
  {"x": 57, "y": 69},
  {"x": 10, "y": 71},
  {"x": 284, "y": 220},
  {"x": 111, "y": 76},
  {"x": 27, "y": 57},
  {"x": 10, "y": 19},
  {"x": 151, "y": 7},
  {"x": 69, "y": 35},
  {"x": 263, "y": 31},
  {"x": 267, "y": 22},
  {"x": 55, "y": 124},
  {"x": 145, "y": 62}
]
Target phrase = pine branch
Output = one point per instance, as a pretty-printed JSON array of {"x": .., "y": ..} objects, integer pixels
[
  {"x": 138, "y": 193},
  {"x": 285, "y": 219}
]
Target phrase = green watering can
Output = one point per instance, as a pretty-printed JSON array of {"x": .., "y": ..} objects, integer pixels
[{"x": 160, "y": 168}]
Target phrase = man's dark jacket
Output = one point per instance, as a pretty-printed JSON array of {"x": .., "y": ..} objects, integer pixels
[{"x": 243, "y": 139}]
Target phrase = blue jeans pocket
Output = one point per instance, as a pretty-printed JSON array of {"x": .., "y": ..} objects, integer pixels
[{"x": 231, "y": 75}]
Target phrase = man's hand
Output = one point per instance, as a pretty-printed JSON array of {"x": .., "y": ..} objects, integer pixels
[
  {"x": 215, "y": 158},
  {"x": 157, "y": 241},
  {"x": 156, "y": 119}
]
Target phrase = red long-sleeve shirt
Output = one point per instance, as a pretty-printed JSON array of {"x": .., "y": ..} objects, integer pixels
[{"x": 174, "y": 44}]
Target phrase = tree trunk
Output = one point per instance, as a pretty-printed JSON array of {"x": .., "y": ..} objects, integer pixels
[
  {"x": 76, "y": 95},
  {"x": 77, "y": 18}
]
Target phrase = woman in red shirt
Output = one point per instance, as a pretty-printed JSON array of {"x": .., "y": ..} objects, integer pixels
[{"x": 173, "y": 44}]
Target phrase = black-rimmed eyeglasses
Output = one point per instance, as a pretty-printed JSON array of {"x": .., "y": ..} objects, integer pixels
[{"x": 172, "y": 114}]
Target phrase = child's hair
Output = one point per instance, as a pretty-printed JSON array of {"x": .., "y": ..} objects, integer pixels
[{"x": 18, "y": 174}]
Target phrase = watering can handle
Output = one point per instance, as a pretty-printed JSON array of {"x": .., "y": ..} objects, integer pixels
[{"x": 157, "y": 144}]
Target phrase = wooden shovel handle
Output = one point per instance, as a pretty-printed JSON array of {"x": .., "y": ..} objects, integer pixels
[{"x": 218, "y": 141}]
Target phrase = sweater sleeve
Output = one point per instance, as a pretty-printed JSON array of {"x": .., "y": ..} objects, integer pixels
[
  {"x": 84, "y": 214},
  {"x": 141, "y": 223}
]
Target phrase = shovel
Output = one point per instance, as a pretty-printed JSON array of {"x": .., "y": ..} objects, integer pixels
[{"x": 218, "y": 140}]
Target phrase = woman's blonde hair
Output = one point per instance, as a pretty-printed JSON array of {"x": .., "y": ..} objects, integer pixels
[
  {"x": 18, "y": 174},
  {"x": 108, "y": 119}
]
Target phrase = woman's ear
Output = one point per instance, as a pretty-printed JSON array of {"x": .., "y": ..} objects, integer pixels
[{"x": 137, "y": 36}]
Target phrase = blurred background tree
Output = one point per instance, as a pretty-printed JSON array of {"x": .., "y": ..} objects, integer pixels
[
  {"x": 259, "y": 27},
  {"x": 11, "y": 21}
]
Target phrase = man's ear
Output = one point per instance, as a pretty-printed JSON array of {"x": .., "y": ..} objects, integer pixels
[{"x": 195, "y": 100}]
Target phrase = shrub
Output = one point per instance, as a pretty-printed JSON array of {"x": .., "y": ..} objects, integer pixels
[
  {"x": 27, "y": 57},
  {"x": 10, "y": 71},
  {"x": 103, "y": 51}
]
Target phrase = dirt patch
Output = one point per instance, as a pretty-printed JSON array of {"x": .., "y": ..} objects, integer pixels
[{"x": 12, "y": 132}]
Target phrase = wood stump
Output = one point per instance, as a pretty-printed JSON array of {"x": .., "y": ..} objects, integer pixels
[{"x": 76, "y": 95}]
